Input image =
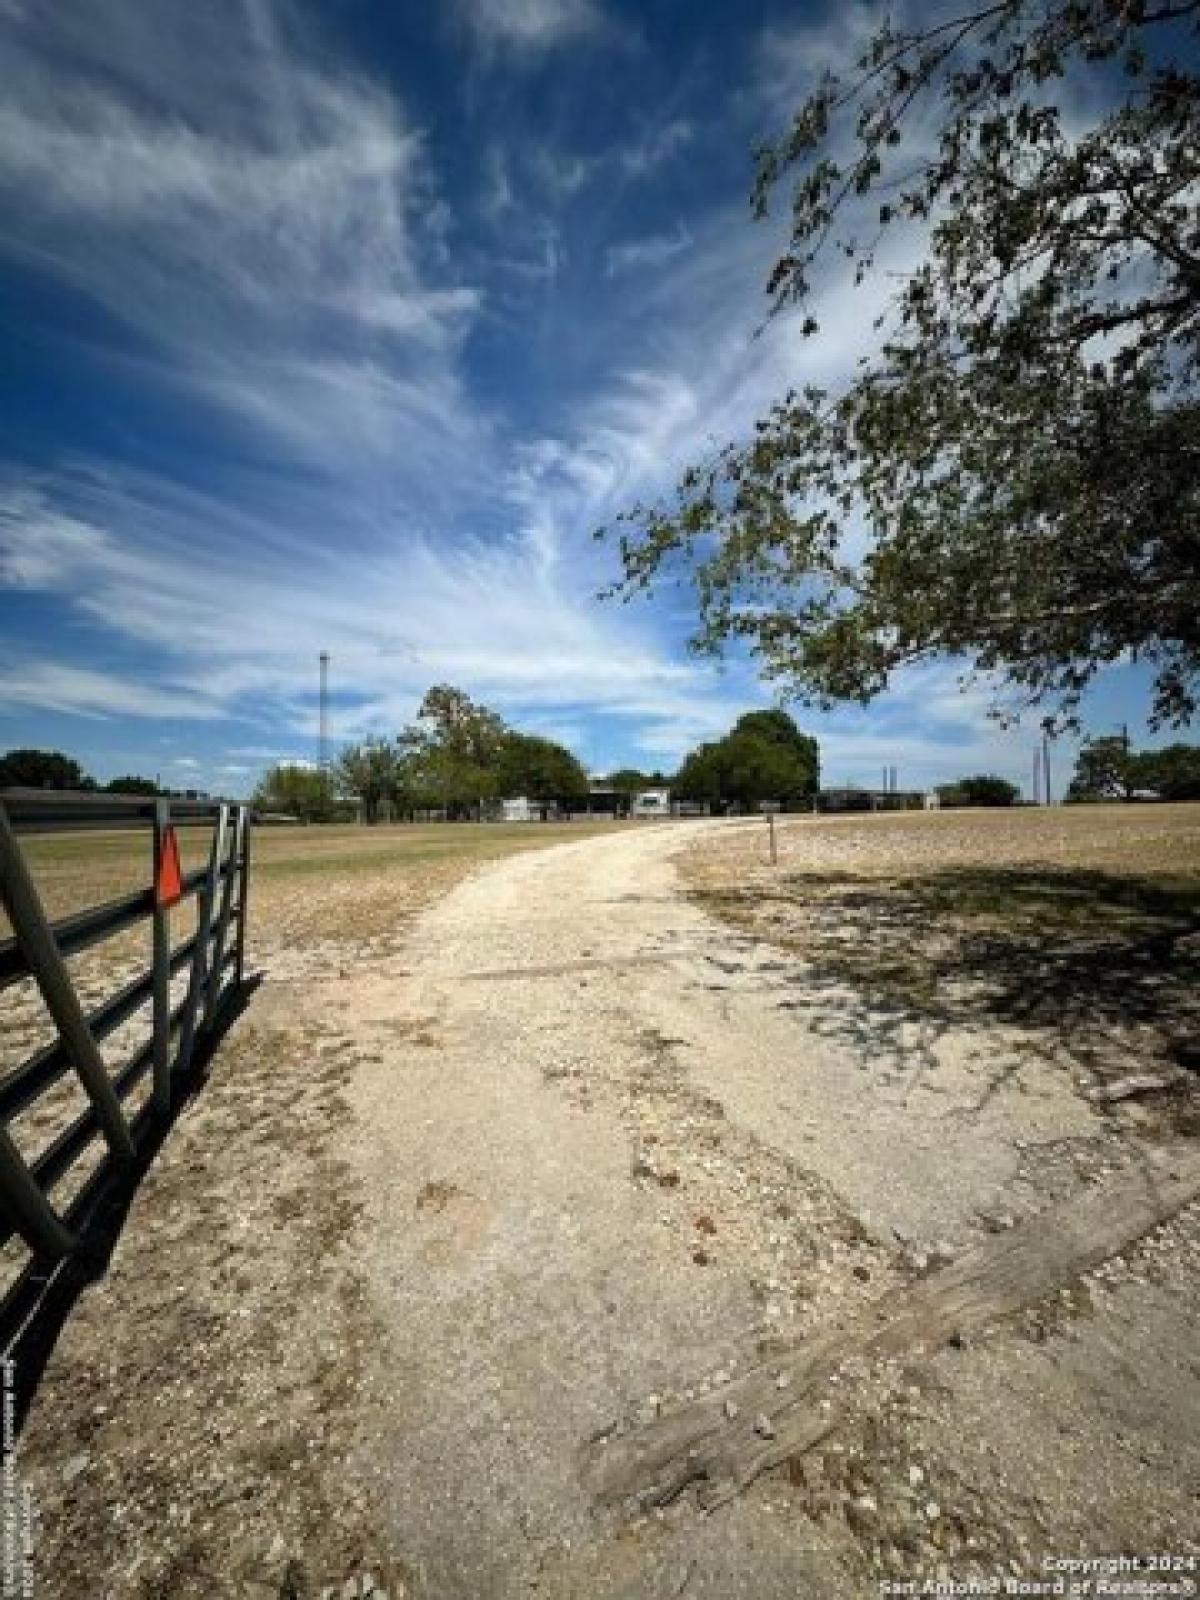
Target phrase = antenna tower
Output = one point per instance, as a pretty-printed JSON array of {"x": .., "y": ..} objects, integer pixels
[{"x": 323, "y": 721}]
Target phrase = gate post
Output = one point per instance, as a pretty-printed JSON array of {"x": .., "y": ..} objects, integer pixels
[
  {"x": 243, "y": 897},
  {"x": 228, "y": 872},
  {"x": 204, "y": 916},
  {"x": 162, "y": 971}
]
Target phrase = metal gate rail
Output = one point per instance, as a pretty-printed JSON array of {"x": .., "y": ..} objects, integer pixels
[{"x": 214, "y": 956}]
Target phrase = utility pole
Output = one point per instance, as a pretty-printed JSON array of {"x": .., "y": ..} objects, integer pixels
[
  {"x": 1037, "y": 767},
  {"x": 323, "y": 729},
  {"x": 1046, "y": 765}
]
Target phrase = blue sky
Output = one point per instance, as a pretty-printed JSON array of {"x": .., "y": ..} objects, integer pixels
[{"x": 341, "y": 326}]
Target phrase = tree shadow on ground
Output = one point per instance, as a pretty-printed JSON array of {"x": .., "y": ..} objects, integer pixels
[{"x": 1079, "y": 958}]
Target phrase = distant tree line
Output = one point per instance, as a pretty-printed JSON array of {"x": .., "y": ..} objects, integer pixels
[
  {"x": 985, "y": 789},
  {"x": 459, "y": 757},
  {"x": 456, "y": 759},
  {"x": 50, "y": 769},
  {"x": 1107, "y": 769}
]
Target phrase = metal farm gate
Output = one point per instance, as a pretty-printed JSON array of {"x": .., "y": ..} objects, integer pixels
[{"x": 211, "y": 956}]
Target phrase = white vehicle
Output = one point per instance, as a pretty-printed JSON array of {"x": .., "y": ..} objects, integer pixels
[
  {"x": 651, "y": 803},
  {"x": 520, "y": 809}
]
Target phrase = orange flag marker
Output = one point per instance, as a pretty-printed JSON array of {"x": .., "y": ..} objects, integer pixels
[{"x": 168, "y": 881}]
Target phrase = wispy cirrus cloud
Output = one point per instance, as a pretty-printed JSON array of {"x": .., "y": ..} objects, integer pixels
[
  {"x": 267, "y": 222},
  {"x": 51, "y": 685},
  {"x": 530, "y": 25},
  {"x": 654, "y": 250},
  {"x": 246, "y": 640},
  {"x": 660, "y": 143}
]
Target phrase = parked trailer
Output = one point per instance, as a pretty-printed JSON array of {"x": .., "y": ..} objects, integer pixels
[
  {"x": 651, "y": 803},
  {"x": 213, "y": 958}
]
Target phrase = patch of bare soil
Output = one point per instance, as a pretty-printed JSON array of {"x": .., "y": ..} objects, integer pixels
[
  {"x": 187, "y": 1437},
  {"x": 1074, "y": 934}
]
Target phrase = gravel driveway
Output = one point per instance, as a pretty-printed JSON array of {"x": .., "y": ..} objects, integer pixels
[{"x": 612, "y": 1149}]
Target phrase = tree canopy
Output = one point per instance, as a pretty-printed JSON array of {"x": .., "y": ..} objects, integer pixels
[
  {"x": 539, "y": 768},
  {"x": 764, "y": 757},
  {"x": 1012, "y": 478},
  {"x": 42, "y": 769},
  {"x": 456, "y": 757},
  {"x": 298, "y": 791},
  {"x": 1173, "y": 772},
  {"x": 132, "y": 783},
  {"x": 372, "y": 772},
  {"x": 985, "y": 789},
  {"x": 1102, "y": 770},
  {"x": 629, "y": 780},
  {"x": 1107, "y": 769}
]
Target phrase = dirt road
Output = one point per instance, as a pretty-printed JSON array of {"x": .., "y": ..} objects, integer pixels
[{"x": 613, "y": 1148}]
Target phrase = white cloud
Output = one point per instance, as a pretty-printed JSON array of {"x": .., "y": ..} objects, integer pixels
[
  {"x": 655, "y": 250},
  {"x": 267, "y": 224},
  {"x": 659, "y": 145},
  {"x": 497, "y": 200},
  {"x": 560, "y": 173},
  {"x": 529, "y": 25},
  {"x": 48, "y": 685},
  {"x": 243, "y": 627},
  {"x": 792, "y": 57}
]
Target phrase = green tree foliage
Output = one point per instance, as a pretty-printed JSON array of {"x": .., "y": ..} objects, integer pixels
[
  {"x": 1103, "y": 770},
  {"x": 983, "y": 790},
  {"x": 295, "y": 790},
  {"x": 764, "y": 757},
  {"x": 630, "y": 780},
  {"x": 1106, "y": 770},
  {"x": 373, "y": 773},
  {"x": 460, "y": 728},
  {"x": 455, "y": 758},
  {"x": 1173, "y": 773},
  {"x": 130, "y": 783},
  {"x": 455, "y": 749},
  {"x": 776, "y": 727},
  {"x": 1023, "y": 448},
  {"x": 41, "y": 769},
  {"x": 539, "y": 768}
]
